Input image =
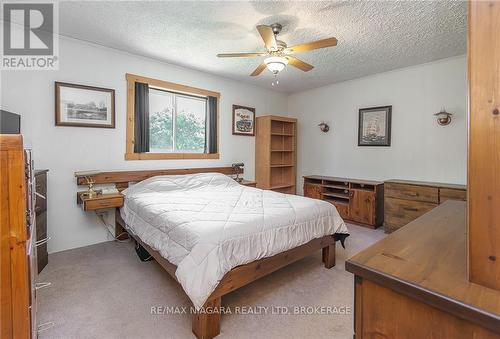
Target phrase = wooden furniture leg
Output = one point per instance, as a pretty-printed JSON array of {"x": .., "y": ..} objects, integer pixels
[
  {"x": 329, "y": 256},
  {"x": 120, "y": 231},
  {"x": 206, "y": 323}
]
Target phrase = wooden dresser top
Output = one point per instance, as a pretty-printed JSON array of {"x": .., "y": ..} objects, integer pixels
[
  {"x": 356, "y": 181},
  {"x": 427, "y": 260},
  {"x": 427, "y": 183}
]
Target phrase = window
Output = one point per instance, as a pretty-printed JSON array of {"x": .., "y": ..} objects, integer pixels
[
  {"x": 170, "y": 121},
  {"x": 176, "y": 122}
]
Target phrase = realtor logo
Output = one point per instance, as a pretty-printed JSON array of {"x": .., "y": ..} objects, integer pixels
[{"x": 29, "y": 35}]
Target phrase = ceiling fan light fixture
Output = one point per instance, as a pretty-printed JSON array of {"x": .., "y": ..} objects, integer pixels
[{"x": 276, "y": 63}]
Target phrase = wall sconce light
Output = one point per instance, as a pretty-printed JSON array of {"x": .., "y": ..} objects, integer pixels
[
  {"x": 324, "y": 127},
  {"x": 443, "y": 117}
]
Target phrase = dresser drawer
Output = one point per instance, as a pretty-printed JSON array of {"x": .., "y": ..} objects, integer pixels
[
  {"x": 399, "y": 212},
  {"x": 412, "y": 192},
  {"x": 451, "y": 194},
  {"x": 41, "y": 233},
  {"x": 108, "y": 202},
  {"x": 41, "y": 189},
  {"x": 41, "y": 225}
]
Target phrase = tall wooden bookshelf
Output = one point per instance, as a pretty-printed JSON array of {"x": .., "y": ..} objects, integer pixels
[{"x": 276, "y": 153}]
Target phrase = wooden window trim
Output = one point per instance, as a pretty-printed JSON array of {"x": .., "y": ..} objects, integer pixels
[{"x": 129, "y": 151}]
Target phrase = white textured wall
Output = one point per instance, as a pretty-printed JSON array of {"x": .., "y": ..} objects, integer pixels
[
  {"x": 420, "y": 149},
  {"x": 64, "y": 150}
]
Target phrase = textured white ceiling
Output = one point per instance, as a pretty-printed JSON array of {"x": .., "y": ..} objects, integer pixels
[{"x": 374, "y": 36}]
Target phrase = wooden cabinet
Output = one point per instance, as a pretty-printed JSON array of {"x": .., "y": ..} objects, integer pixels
[
  {"x": 16, "y": 236},
  {"x": 413, "y": 284},
  {"x": 484, "y": 143},
  {"x": 406, "y": 200},
  {"x": 312, "y": 191},
  {"x": 358, "y": 201},
  {"x": 275, "y": 153},
  {"x": 362, "y": 207}
]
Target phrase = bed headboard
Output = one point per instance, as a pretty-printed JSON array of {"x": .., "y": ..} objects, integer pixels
[{"x": 122, "y": 178}]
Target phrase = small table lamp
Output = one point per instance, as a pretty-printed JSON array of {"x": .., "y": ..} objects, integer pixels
[
  {"x": 238, "y": 167},
  {"x": 90, "y": 193}
]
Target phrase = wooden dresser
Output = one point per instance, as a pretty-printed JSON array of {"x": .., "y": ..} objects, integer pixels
[
  {"x": 358, "y": 201},
  {"x": 17, "y": 311},
  {"x": 41, "y": 218},
  {"x": 406, "y": 200},
  {"x": 414, "y": 283},
  {"x": 275, "y": 153}
]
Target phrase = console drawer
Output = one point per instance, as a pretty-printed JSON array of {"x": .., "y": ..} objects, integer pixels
[
  {"x": 451, "y": 194},
  {"x": 412, "y": 192},
  {"x": 399, "y": 212}
]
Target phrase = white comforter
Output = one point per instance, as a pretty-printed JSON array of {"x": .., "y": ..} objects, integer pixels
[{"x": 207, "y": 224}]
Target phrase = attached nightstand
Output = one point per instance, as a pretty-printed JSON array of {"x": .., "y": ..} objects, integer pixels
[
  {"x": 102, "y": 201},
  {"x": 248, "y": 183}
]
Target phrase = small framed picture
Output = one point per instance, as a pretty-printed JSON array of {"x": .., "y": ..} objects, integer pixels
[
  {"x": 375, "y": 126},
  {"x": 243, "y": 120},
  {"x": 84, "y": 106}
]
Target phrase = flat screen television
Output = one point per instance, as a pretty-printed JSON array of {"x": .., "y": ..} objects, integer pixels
[{"x": 10, "y": 123}]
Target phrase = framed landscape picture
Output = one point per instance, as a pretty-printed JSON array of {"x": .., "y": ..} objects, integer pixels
[
  {"x": 375, "y": 126},
  {"x": 243, "y": 120},
  {"x": 84, "y": 106}
]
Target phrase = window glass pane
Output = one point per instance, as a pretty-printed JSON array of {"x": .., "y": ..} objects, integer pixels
[
  {"x": 161, "y": 108},
  {"x": 190, "y": 124}
]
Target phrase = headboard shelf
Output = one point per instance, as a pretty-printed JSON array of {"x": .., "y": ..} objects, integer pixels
[{"x": 122, "y": 178}]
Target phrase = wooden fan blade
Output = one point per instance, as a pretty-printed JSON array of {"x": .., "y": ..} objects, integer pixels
[
  {"x": 259, "y": 69},
  {"x": 311, "y": 45},
  {"x": 240, "y": 55},
  {"x": 267, "y": 35},
  {"x": 303, "y": 66}
]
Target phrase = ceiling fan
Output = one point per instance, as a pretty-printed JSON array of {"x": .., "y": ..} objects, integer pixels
[{"x": 278, "y": 54}]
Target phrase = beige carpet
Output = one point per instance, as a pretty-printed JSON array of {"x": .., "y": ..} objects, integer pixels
[{"x": 104, "y": 291}]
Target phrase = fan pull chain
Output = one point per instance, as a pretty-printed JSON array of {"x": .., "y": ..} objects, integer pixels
[{"x": 276, "y": 82}]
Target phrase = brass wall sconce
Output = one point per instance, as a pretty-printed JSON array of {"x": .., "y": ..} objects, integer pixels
[
  {"x": 443, "y": 117},
  {"x": 323, "y": 126}
]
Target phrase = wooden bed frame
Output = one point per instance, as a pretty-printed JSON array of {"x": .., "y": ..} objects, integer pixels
[{"x": 206, "y": 325}]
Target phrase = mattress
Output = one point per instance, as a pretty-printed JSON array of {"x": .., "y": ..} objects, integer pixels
[{"x": 206, "y": 224}]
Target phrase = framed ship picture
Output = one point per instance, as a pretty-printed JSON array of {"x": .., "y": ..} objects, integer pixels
[
  {"x": 84, "y": 106},
  {"x": 375, "y": 126},
  {"x": 243, "y": 120}
]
